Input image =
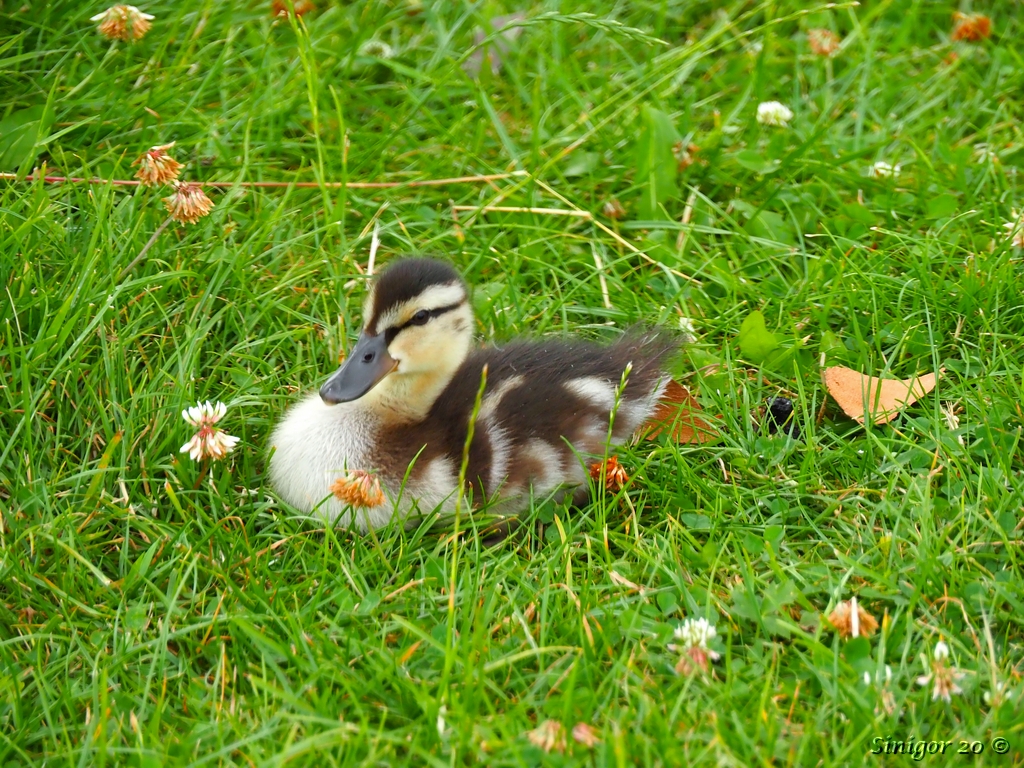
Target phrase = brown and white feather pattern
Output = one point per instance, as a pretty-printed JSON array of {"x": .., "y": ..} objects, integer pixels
[{"x": 546, "y": 410}]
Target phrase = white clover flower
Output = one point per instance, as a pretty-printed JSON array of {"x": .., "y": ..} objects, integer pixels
[
  {"x": 377, "y": 49},
  {"x": 774, "y": 113},
  {"x": 881, "y": 682},
  {"x": 943, "y": 677},
  {"x": 549, "y": 736},
  {"x": 852, "y": 620},
  {"x": 1016, "y": 228},
  {"x": 441, "y": 712},
  {"x": 693, "y": 636},
  {"x": 879, "y": 677},
  {"x": 696, "y": 633},
  {"x": 687, "y": 327},
  {"x": 948, "y": 410},
  {"x": 823, "y": 42},
  {"x": 984, "y": 153},
  {"x": 1000, "y": 693},
  {"x": 157, "y": 167},
  {"x": 884, "y": 170},
  {"x": 209, "y": 441},
  {"x": 358, "y": 488},
  {"x": 123, "y": 22},
  {"x": 189, "y": 203}
]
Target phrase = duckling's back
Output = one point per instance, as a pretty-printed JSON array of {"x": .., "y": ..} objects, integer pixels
[{"x": 547, "y": 407}]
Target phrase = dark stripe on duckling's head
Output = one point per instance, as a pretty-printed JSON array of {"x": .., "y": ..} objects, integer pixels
[
  {"x": 420, "y": 317},
  {"x": 402, "y": 282}
]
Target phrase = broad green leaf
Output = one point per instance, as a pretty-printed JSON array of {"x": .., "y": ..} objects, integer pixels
[
  {"x": 702, "y": 358},
  {"x": 485, "y": 295},
  {"x": 141, "y": 567},
  {"x": 756, "y": 162},
  {"x": 745, "y": 605},
  {"x": 778, "y": 595},
  {"x": 942, "y": 206},
  {"x": 858, "y": 648},
  {"x": 581, "y": 164},
  {"x": 751, "y": 544},
  {"x": 766, "y": 225},
  {"x": 847, "y": 228},
  {"x": 136, "y": 618},
  {"x": 859, "y": 213},
  {"x": 370, "y": 601},
  {"x": 656, "y": 165},
  {"x": 668, "y": 602},
  {"x": 831, "y": 345},
  {"x": 773, "y": 536},
  {"x": 769, "y": 225},
  {"x": 756, "y": 341},
  {"x": 696, "y": 522},
  {"x": 19, "y": 133}
]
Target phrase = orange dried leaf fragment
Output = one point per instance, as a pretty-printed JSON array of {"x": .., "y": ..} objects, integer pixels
[
  {"x": 851, "y": 620},
  {"x": 823, "y": 42},
  {"x": 157, "y": 167},
  {"x": 693, "y": 660},
  {"x": 280, "y": 8},
  {"x": 678, "y": 411},
  {"x": 189, "y": 203},
  {"x": 123, "y": 22},
  {"x": 586, "y": 734},
  {"x": 613, "y": 209},
  {"x": 971, "y": 27},
  {"x": 358, "y": 488},
  {"x": 685, "y": 156},
  {"x": 549, "y": 736},
  {"x": 615, "y": 476},
  {"x": 866, "y": 398}
]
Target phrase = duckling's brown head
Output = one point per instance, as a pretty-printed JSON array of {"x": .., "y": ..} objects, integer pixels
[{"x": 417, "y": 330}]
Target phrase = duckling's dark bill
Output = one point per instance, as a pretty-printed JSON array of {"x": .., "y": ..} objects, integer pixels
[{"x": 365, "y": 367}]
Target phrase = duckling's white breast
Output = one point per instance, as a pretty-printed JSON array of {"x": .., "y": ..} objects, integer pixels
[{"x": 315, "y": 444}]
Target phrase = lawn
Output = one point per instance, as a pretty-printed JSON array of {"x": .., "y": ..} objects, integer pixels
[{"x": 159, "y": 611}]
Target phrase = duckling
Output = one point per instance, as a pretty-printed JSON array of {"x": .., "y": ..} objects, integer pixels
[{"x": 386, "y": 432}]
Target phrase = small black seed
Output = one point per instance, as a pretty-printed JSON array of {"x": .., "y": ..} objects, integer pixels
[{"x": 780, "y": 416}]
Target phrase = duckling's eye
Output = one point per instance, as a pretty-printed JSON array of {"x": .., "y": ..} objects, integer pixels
[{"x": 421, "y": 317}]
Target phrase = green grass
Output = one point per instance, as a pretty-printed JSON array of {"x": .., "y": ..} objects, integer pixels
[{"x": 156, "y": 613}]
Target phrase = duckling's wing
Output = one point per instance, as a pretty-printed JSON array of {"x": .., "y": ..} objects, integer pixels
[{"x": 547, "y": 401}]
